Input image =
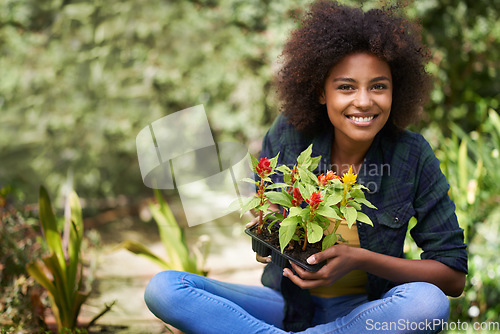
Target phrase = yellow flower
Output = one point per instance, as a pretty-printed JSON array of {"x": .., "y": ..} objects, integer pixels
[{"x": 349, "y": 178}]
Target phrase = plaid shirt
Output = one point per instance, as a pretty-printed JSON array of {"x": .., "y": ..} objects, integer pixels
[{"x": 404, "y": 180}]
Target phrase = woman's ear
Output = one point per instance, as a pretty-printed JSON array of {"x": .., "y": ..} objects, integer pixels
[{"x": 321, "y": 96}]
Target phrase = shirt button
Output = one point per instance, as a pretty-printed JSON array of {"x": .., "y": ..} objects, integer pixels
[{"x": 396, "y": 219}]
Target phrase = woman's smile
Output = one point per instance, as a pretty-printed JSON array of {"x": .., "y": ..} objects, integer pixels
[{"x": 362, "y": 120}]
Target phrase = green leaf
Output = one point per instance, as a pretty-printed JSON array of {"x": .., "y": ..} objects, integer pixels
[
  {"x": 140, "y": 249},
  {"x": 287, "y": 178},
  {"x": 274, "y": 161},
  {"x": 277, "y": 186},
  {"x": 264, "y": 207},
  {"x": 171, "y": 235},
  {"x": 249, "y": 204},
  {"x": 365, "y": 202},
  {"x": 314, "y": 232},
  {"x": 235, "y": 205},
  {"x": 254, "y": 163},
  {"x": 304, "y": 159},
  {"x": 350, "y": 214},
  {"x": 287, "y": 230},
  {"x": 357, "y": 193},
  {"x": 364, "y": 218},
  {"x": 312, "y": 177},
  {"x": 49, "y": 227},
  {"x": 327, "y": 211},
  {"x": 62, "y": 295},
  {"x": 328, "y": 241},
  {"x": 280, "y": 198},
  {"x": 249, "y": 180},
  {"x": 354, "y": 204},
  {"x": 75, "y": 241},
  {"x": 304, "y": 191},
  {"x": 295, "y": 211},
  {"x": 36, "y": 270},
  {"x": 314, "y": 163},
  {"x": 307, "y": 177},
  {"x": 80, "y": 298},
  {"x": 284, "y": 169},
  {"x": 333, "y": 199}
]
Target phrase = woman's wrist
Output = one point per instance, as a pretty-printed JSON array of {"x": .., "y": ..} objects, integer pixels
[{"x": 358, "y": 258}]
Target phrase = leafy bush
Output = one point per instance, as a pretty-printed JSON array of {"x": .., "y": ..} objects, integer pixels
[
  {"x": 470, "y": 162},
  {"x": 80, "y": 79},
  {"x": 21, "y": 300}
]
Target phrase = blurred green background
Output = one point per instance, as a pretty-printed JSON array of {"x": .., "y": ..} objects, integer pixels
[{"x": 80, "y": 79}]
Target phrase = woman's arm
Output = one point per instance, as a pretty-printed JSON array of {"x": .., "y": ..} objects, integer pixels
[{"x": 342, "y": 259}]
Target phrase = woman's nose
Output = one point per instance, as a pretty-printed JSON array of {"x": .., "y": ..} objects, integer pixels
[{"x": 363, "y": 100}]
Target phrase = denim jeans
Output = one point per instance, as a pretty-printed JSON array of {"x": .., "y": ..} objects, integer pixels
[{"x": 196, "y": 304}]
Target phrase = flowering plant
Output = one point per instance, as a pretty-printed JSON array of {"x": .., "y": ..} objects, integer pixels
[{"x": 310, "y": 203}]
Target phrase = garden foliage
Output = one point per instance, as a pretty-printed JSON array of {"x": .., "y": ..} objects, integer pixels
[
  {"x": 80, "y": 79},
  {"x": 179, "y": 255},
  {"x": 61, "y": 272},
  {"x": 21, "y": 299}
]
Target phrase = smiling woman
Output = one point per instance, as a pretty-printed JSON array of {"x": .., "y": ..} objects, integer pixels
[{"x": 350, "y": 83}]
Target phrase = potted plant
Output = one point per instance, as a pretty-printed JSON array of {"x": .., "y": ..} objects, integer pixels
[{"x": 312, "y": 208}]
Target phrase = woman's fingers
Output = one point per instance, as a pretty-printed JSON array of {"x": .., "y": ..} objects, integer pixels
[
  {"x": 263, "y": 259},
  {"x": 302, "y": 283},
  {"x": 252, "y": 222}
]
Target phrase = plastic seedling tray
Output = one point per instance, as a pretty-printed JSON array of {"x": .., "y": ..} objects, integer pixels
[{"x": 264, "y": 248}]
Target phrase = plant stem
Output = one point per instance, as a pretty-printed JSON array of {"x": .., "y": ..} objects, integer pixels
[
  {"x": 337, "y": 224},
  {"x": 259, "y": 227},
  {"x": 103, "y": 312},
  {"x": 261, "y": 196}
]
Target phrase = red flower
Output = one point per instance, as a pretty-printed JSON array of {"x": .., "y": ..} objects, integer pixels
[
  {"x": 297, "y": 197},
  {"x": 323, "y": 179},
  {"x": 264, "y": 167},
  {"x": 314, "y": 200}
]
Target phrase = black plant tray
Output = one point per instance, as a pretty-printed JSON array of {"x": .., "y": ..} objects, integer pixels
[{"x": 264, "y": 248}]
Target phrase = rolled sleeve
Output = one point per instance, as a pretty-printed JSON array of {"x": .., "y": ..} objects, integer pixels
[{"x": 437, "y": 230}]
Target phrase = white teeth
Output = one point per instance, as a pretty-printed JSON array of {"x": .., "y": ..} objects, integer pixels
[{"x": 361, "y": 119}]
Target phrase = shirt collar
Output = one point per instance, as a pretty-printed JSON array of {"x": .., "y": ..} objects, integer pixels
[{"x": 372, "y": 169}]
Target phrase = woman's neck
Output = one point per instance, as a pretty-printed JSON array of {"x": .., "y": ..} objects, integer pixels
[{"x": 345, "y": 154}]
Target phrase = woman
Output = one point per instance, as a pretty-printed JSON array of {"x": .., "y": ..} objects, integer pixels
[{"x": 350, "y": 84}]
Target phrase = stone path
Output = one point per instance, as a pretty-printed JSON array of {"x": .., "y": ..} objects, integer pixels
[{"x": 123, "y": 276}]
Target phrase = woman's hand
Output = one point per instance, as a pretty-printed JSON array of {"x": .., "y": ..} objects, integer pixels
[
  {"x": 261, "y": 259},
  {"x": 341, "y": 259}
]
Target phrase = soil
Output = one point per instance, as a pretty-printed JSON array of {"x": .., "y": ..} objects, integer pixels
[{"x": 293, "y": 250}]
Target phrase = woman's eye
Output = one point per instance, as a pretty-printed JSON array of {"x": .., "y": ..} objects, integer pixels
[
  {"x": 345, "y": 87},
  {"x": 379, "y": 86}
]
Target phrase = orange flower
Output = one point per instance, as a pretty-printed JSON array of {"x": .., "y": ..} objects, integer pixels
[{"x": 324, "y": 179}]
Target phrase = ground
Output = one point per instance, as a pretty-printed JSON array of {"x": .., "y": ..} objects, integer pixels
[{"x": 123, "y": 276}]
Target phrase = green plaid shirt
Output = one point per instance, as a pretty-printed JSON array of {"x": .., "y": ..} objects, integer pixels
[{"x": 404, "y": 180}]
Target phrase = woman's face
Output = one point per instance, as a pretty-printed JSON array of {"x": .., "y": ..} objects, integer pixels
[{"x": 358, "y": 97}]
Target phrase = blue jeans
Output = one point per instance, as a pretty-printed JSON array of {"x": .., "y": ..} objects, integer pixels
[{"x": 196, "y": 304}]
